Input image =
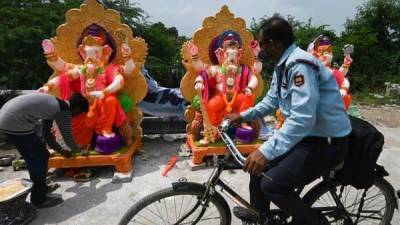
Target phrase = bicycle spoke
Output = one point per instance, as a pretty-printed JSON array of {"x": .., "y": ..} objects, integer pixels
[
  {"x": 366, "y": 217},
  {"x": 161, "y": 212},
  {"x": 357, "y": 203},
  {"x": 176, "y": 217},
  {"x": 157, "y": 215},
  {"x": 347, "y": 194},
  {"x": 371, "y": 216},
  {"x": 374, "y": 211},
  {"x": 145, "y": 218},
  {"x": 183, "y": 197},
  {"x": 188, "y": 207},
  {"x": 190, "y": 222},
  {"x": 207, "y": 215},
  {"x": 155, "y": 205},
  {"x": 210, "y": 212},
  {"x": 166, "y": 211}
]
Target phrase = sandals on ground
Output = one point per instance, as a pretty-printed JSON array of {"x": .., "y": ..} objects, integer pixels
[{"x": 84, "y": 175}]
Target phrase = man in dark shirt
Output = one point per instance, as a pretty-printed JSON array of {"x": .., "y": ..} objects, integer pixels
[{"x": 18, "y": 119}]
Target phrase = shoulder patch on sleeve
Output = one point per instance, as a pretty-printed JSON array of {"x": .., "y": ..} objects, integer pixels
[{"x": 299, "y": 80}]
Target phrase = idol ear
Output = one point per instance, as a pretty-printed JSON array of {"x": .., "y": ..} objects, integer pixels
[
  {"x": 81, "y": 50},
  {"x": 107, "y": 50},
  {"x": 220, "y": 54}
]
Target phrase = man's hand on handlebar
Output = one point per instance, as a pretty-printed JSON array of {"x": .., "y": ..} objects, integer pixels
[
  {"x": 255, "y": 163},
  {"x": 234, "y": 118}
]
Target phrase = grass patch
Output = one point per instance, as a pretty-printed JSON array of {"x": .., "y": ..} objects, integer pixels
[{"x": 368, "y": 98}]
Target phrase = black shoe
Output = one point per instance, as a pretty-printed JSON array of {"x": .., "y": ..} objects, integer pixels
[
  {"x": 245, "y": 215},
  {"x": 48, "y": 202}
]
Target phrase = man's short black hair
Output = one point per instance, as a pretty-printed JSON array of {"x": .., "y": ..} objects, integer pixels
[
  {"x": 277, "y": 29},
  {"x": 78, "y": 101}
]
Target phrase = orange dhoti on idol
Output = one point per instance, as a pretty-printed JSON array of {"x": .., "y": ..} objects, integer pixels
[
  {"x": 102, "y": 116},
  {"x": 219, "y": 106}
]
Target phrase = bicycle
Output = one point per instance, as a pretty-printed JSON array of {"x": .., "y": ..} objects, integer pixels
[{"x": 194, "y": 203}]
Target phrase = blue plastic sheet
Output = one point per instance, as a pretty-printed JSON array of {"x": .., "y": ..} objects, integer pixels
[{"x": 161, "y": 101}]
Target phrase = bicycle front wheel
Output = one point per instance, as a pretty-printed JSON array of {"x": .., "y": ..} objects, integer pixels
[
  {"x": 169, "y": 206},
  {"x": 377, "y": 209}
]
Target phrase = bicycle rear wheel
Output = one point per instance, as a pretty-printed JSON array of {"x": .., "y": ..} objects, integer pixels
[
  {"x": 169, "y": 205},
  {"x": 378, "y": 208}
]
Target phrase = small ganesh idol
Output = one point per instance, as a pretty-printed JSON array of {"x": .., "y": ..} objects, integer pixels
[
  {"x": 96, "y": 60},
  {"x": 321, "y": 48}
]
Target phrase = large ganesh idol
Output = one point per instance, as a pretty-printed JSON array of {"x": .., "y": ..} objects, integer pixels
[
  {"x": 97, "y": 56},
  {"x": 322, "y": 49},
  {"x": 223, "y": 76}
]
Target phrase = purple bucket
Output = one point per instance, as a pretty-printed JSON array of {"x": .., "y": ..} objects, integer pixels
[
  {"x": 105, "y": 145},
  {"x": 245, "y": 135}
]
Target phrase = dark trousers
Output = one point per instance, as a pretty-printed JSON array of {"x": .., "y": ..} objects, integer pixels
[
  {"x": 307, "y": 161},
  {"x": 36, "y": 156}
]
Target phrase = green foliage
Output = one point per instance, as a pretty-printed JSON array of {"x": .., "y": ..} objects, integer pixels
[
  {"x": 368, "y": 98},
  {"x": 25, "y": 23},
  {"x": 305, "y": 33},
  {"x": 130, "y": 13},
  {"x": 164, "y": 60},
  {"x": 22, "y": 29},
  {"x": 375, "y": 33}
]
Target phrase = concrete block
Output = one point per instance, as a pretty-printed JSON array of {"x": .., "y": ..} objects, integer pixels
[{"x": 122, "y": 177}]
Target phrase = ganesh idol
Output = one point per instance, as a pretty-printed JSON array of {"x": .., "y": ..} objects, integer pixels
[
  {"x": 321, "y": 48},
  {"x": 226, "y": 85},
  {"x": 99, "y": 77}
]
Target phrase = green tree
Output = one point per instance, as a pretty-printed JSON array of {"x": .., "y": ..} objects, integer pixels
[
  {"x": 305, "y": 33},
  {"x": 375, "y": 33},
  {"x": 164, "y": 59},
  {"x": 23, "y": 26},
  {"x": 131, "y": 14}
]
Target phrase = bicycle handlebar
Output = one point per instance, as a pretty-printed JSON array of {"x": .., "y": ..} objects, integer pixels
[
  {"x": 229, "y": 143},
  {"x": 223, "y": 128}
]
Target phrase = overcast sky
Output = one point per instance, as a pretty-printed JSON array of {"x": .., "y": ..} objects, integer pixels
[{"x": 187, "y": 15}]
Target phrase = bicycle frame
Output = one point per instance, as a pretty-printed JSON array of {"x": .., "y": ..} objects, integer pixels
[{"x": 214, "y": 180}]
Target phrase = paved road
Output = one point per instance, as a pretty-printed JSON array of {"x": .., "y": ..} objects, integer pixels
[{"x": 101, "y": 202}]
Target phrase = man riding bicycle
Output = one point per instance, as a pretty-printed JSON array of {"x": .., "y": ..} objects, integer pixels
[{"x": 313, "y": 138}]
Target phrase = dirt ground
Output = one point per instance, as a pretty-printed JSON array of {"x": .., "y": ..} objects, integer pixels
[
  {"x": 84, "y": 201},
  {"x": 383, "y": 115}
]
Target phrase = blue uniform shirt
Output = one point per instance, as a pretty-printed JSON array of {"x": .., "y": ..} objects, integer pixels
[{"x": 309, "y": 100}]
